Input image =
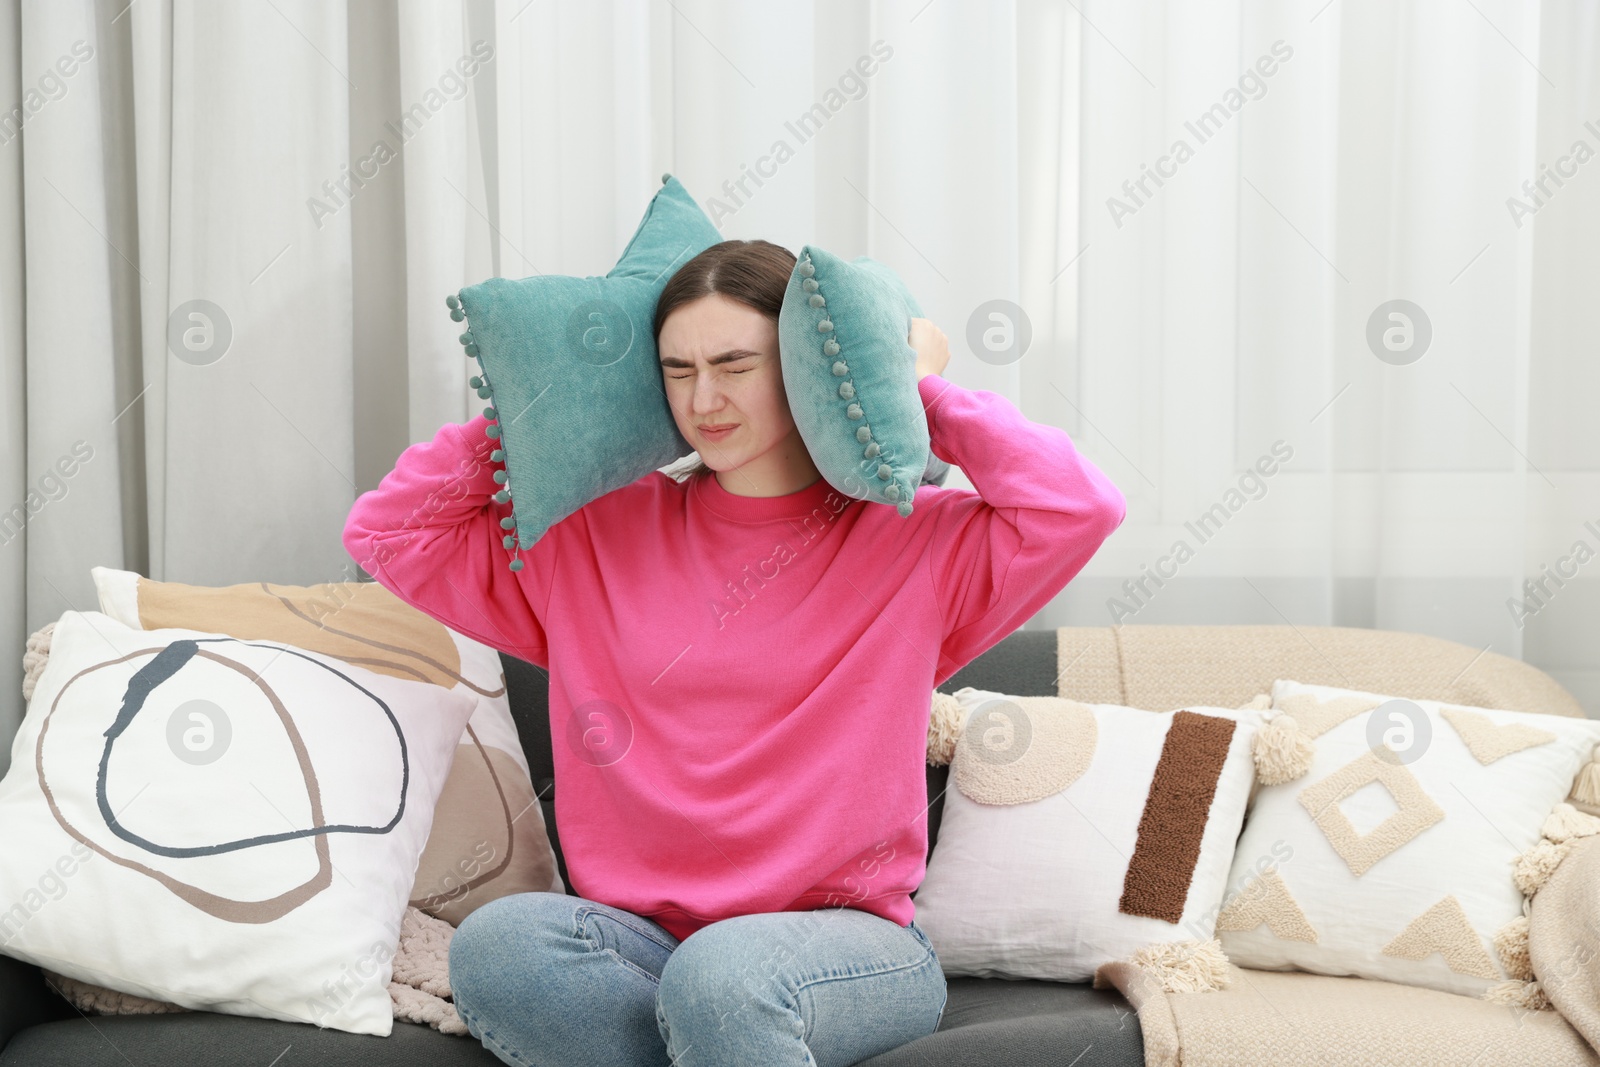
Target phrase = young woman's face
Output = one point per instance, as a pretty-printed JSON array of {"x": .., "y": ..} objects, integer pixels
[{"x": 719, "y": 364}]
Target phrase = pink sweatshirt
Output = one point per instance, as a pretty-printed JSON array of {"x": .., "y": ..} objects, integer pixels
[{"x": 740, "y": 686}]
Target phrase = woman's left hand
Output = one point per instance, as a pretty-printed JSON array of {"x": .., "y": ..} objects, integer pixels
[{"x": 932, "y": 346}]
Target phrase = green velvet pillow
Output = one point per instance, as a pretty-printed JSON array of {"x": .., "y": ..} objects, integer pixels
[
  {"x": 569, "y": 368},
  {"x": 851, "y": 376}
]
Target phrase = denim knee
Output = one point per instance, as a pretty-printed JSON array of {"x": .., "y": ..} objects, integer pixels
[
  {"x": 701, "y": 993},
  {"x": 482, "y": 949},
  {"x": 468, "y": 944}
]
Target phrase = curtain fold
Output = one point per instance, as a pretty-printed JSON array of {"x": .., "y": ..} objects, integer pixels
[
  {"x": 71, "y": 347},
  {"x": 441, "y": 80},
  {"x": 227, "y": 231},
  {"x": 258, "y": 460},
  {"x": 14, "y": 469}
]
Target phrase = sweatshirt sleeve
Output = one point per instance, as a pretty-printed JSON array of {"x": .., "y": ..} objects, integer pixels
[
  {"x": 1041, "y": 510},
  {"x": 430, "y": 533}
]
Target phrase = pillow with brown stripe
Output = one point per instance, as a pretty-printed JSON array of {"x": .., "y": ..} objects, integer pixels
[
  {"x": 488, "y": 837},
  {"x": 1077, "y": 834}
]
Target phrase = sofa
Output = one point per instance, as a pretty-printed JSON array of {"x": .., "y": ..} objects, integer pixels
[{"x": 987, "y": 1021}]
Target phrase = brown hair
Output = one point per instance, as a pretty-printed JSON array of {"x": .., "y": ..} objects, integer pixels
[{"x": 753, "y": 272}]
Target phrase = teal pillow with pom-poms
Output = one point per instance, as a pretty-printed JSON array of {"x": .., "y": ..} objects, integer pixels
[
  {"x": 569, "y": 369},
  {"x": 851, "y": 377}
]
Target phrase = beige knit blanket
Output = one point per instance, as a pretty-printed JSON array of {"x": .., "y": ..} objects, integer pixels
[
  {"x": 1271, "y": 1018},
  {"x": 1223, "y": 666},
  {"x": 1564, "y": 938}
]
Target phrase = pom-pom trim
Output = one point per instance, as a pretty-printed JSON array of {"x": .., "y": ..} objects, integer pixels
[
  {"x": 1562, "y": 829},
  {"x": 511, "y": 542},
  {"x": 1281, "y": 750},
  {"x": 945, "y": 721},
  {"x": 1185, "y": 966},
  {"x": 890, "y": 491}
]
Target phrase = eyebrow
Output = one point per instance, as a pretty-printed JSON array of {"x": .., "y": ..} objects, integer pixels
[{"x": 727, "y": 357}]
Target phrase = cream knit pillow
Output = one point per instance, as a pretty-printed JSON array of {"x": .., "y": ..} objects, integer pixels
[{"x": 1396, "y": 856}]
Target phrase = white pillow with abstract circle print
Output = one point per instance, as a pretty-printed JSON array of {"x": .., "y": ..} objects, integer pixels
[
  {"x": 1402, "y": 838},
  {"x": 489, "y": 838},
  {"x": 1075, "y": 835},
  {"x": 223, "y": 824}
]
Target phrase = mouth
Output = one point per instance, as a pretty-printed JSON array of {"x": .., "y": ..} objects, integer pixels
[{"x": 717, "y": 433}]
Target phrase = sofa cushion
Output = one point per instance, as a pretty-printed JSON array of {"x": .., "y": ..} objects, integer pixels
[
  {"x": 25, "y": 1001},
  {"x": 986, "y": 1022},
  {"x": 207, "y": 1039},
  {"x": 989, "y": 1021}
]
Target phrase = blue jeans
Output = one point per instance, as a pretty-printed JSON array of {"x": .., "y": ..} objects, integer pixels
[{"x": 552, "y": 980}]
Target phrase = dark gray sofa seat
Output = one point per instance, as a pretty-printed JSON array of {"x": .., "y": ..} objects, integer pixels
[{"x": 987, "y": 1023}]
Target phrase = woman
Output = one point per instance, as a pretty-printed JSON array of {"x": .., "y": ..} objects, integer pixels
[{"x": 741, "y": 665}]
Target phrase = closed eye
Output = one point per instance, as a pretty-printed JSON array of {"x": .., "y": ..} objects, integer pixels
[{"x": 680, "y": 377}]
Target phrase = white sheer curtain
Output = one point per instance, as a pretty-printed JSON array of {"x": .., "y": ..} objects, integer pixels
[
  {"x": 321, "y": 174},
  {"x": 1230, "y": 310}
]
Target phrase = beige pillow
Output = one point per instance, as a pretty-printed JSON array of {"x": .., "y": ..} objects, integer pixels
[{"x": 488, "y": 838}]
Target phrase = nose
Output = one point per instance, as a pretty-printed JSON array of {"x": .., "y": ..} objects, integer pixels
[{"x": 707, "y": 396}]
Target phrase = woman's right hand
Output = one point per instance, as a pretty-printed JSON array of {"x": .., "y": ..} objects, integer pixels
[{"x": 933, "y": 347}]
